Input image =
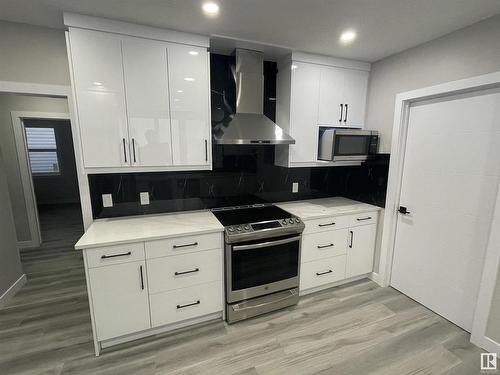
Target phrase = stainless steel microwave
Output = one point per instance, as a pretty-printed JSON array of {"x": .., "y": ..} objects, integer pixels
[{"x": 347, "y": 144}]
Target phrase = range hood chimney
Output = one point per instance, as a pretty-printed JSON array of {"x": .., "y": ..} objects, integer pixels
[{"x": 249, "y": 125}]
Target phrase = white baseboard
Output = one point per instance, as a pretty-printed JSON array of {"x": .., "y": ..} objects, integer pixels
[
  {"x": 13, "y": 289},
  {"x": 27, "y": 244}
]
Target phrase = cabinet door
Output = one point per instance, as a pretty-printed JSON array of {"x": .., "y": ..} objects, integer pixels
[
  {"x": 189, "y": 98},
  {"x": 355, "y": 89},
  {"x": 100, "y": 95},
  {"x": 304, "y": 112},
  {"x": 360, "y": 250},
  {"x": 146, "y": 87},
  {"x": 331, "y": 87},
  {"x": 120, "y": 299}
]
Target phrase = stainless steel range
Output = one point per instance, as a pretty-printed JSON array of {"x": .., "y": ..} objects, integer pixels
[{"x": 262, "y": 259}]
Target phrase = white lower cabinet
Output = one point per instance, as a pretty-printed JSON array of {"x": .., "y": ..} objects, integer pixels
[
  {"x": 132, "y": 293},
  {"x": 120, "y": 299},
  {"x": 337, "y": 248},
  {"x": 360, "y": 250}
]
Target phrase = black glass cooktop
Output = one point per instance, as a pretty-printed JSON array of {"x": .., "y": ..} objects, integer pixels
[{"x": 249, "y": 214}]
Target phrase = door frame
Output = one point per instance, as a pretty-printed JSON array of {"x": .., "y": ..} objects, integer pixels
[
  {"x": 61, "y": 91},
  {"x": 18, "y": 126},
  {"x": 398, "y": 146}
]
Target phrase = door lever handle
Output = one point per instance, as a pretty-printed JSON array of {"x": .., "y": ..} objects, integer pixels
[{"x": 403, "y": 210}]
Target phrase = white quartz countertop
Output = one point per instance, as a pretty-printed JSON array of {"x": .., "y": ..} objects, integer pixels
[
  {"x": 318, "y": 208},
  {"x": 114, "y": 231}
]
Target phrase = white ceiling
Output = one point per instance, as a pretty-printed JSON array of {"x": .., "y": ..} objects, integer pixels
[{"x": 384, "y": 26}]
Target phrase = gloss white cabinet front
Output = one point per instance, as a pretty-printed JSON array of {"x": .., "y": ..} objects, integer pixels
[
  {"x": 146, "y": 86},
  {"x": 120, "y": 299},
  {"x": 189, "y": 88},
  {"x": 100, "y": 96}
]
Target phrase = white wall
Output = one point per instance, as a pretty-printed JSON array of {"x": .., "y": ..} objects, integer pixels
[
  {"x": 33, "y": 54},
  {"x": 465, "y": 53},
  {"x": 13, "y": 102},
  {"x": 10, "y": 264}
]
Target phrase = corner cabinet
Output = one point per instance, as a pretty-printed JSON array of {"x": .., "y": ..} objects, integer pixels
[
  {"x": 142, "y": 104},
  {"x": 314, "y": 91}
]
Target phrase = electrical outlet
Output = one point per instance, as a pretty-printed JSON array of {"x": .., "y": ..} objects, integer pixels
[
  {"x": 144, "y": 197},
  {"x": 295, "y": 187},
  {"x": 107, "y": 200}
]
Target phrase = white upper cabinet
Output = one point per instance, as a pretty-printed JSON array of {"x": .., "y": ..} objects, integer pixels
[
  {"x": 314, "y": 91},
  {"x": 98, "y": 82},
  {"x": 342, "y": 97},
  {"x": 189, "y": 87},
  {"x": 355, "y": 92},
  {"x": 142, "y": 101},
  {"x": 304, "y": 116},
  {"x": 146, "y": 85}
]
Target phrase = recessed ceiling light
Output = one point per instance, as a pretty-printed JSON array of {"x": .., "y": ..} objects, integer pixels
[
  {"x": 180, "y": 91},
  {"x": 189, "y": 79},
  {"x": 348, "y": 36},
  {"x": 97, "y": 83},
  {"x": 210, "y": 8},
  {"x": 193, "y": 53}
]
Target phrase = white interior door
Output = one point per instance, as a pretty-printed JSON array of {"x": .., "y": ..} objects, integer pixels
[{"x": 450, "y": 182}]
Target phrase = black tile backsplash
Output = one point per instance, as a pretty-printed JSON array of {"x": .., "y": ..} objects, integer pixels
[{"x": 241, "y": 174}]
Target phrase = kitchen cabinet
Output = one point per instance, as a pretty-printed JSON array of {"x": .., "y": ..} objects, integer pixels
[
  {"x": 142, "y": 104},
  {"x": 342, "y": 97},
  {"x": 314, "y": 91},
  {"x": 100, "y": 95},
  {"x": 120, "y": 299},
  {"x": 360, "y": 250}
]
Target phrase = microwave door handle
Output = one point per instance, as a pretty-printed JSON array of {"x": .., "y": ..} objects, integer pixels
[
  {"x": 265, "y": 244},
  {"x": 345, "y": 118},
  {"x": 341, "y": 112}
]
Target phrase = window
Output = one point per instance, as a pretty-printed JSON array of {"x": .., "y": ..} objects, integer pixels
[{"x": 42, "y": 151}]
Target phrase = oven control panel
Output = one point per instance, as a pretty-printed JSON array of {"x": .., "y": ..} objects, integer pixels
[{"x": 293, "y": 222}]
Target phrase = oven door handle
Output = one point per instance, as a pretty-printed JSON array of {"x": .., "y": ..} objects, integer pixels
[{"x": 265, "y": 244}]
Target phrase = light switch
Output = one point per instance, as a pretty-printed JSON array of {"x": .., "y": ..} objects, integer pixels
[
  {"x": 295, "y": 187},
  {"x": 107, "y": 200},
  {"x": 144, "y": 197}
]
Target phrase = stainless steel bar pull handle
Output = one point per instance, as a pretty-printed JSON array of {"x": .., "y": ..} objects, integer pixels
[
  {"x": 186, "y": 272},
  {"x": 341, "y": 112},
  {"x": 324, "y": 246},
  {"x": 323, "y": 273},
  {"x": 124, "y": 150},
  {"x": 133, "y": 149},
  {"x": 116, "y": 255},
  {"x": 186, "y": 245},
  {"x": 189, "y": 304},
  {"x": 326, "y": 225},
  {"x": 260, "y": 245},
  {"x": 206, "y": 150}
]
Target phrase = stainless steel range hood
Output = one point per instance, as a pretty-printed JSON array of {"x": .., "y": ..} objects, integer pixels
[{"x": 249, "y": 125}]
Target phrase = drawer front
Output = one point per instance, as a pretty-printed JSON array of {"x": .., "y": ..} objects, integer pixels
[
  {"x": 105, "y": 256},
  {"x": 182, "y": 245},
  {"x": 363, "y": 219},
  {"x": 323, "y": 245},
  {"x": 181, "y": 304},
  {"x": 327, "y": 224},
  {"x": 321, "y": 272},
  {"x": 181, "y": 271}
]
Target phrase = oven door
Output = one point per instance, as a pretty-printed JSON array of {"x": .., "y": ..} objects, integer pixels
[
  {"x": 256, "y": 268},
  {"x": 352, "y": 145}
]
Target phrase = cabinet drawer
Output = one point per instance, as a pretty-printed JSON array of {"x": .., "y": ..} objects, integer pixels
[
  {"x": 182, "y": 245},
  {"x": 181, "y": 271},
  {"x": 187, "y": 303},
  {"x": 321, "y": 272},
  {"x": 323, "y": 245},
  {"x": 326, "y": 224},
  {"x": 363, "y": 219},
  {"x": 104, "y": 256}
]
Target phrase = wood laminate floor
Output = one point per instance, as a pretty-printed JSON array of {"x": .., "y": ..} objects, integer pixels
[{"x": 357, "y": 328}]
